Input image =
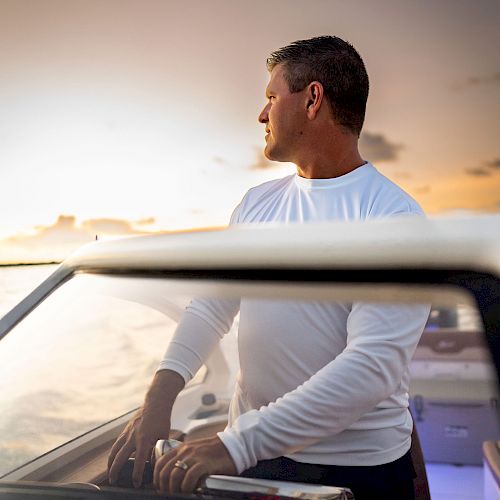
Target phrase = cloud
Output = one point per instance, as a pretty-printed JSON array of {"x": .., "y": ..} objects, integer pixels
[
  {"x": 376, "y": 147},
  {"x": 494, "y": 164},
  {"x": 476, "y": 81},
  {"x": 478, "y": 172},
  {"x": 486, "y": 169},
  {"x": 56, "y": 241},
  {"x": 108, "y": 226},
  {"x": 66, "y": 230},
  {"x": 261, "y": 162},
  {"x": 145, "y": 222}
]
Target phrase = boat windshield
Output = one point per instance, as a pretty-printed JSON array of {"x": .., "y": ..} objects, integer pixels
[
  {"x": 84, "y": 356},
  {"x": 87, "y": 354}
]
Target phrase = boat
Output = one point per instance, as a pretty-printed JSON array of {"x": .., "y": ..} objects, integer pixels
[{"x": 77, "y": 354}]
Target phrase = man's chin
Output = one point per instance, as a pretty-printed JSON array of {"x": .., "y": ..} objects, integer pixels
[
  {"x": 268, "y": 153},
  {"x": 275, "y": 154}
]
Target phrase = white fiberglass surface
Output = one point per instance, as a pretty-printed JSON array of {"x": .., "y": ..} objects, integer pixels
[{"x": 83, "y": 357}]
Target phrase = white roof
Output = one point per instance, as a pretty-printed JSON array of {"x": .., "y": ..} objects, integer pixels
[{"x": 411, "y": 243}]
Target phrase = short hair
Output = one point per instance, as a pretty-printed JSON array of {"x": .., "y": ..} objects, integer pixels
[{"x": 334, "y": 63}]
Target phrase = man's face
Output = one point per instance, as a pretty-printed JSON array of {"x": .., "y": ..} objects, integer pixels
[{"x": 284, "y": 117}]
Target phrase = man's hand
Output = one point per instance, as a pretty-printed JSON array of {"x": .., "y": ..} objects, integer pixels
[
  {"x": 150, "y": 423},
  {"x": 195, "y": 460}
]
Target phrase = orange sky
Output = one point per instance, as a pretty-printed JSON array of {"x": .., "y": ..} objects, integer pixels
[{"x": 126, "y": 116}]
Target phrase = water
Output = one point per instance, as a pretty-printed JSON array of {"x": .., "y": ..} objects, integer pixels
[
  {"x": 82, "y": 357},
  {"x": 17, "y": 281}
]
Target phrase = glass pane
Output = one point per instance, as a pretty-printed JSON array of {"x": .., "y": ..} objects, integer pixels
[
  {"x": 87, "y": 354},
  {"x": 461, "y": 317},
  {"x": 83, "y": 357},
  {"x": 453, "y": 391}
]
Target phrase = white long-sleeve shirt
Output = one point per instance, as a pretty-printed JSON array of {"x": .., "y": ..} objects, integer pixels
[{"x": 319, "y": 382}]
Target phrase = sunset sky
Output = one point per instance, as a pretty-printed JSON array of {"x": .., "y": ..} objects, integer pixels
[{"x": 129, "y": 116}]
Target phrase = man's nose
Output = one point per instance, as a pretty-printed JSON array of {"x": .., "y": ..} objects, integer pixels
[{"x": 264, "y": 115}]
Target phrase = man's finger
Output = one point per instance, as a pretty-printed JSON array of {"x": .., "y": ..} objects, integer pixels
[
  {"x": 175, "y": 479},
  {"x": 160, "y": 464},
  {"x": 163, "y": 475},
  {"x": 142, "y": 453},
  {"x": 120, "y": 459},
  {"x": 192, "y": 478},
  {"x": 115, "y": 448}
]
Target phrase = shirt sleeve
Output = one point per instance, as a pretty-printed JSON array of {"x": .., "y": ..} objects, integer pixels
[
  {"x": 204, "y": 322},
  {"x": 381, "y": 340}
]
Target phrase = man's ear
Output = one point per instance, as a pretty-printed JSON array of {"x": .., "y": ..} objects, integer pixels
[{"x": 314, "y": 99}]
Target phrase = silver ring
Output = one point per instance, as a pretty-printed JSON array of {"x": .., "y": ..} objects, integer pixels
[{"x": 181, "y": 465}]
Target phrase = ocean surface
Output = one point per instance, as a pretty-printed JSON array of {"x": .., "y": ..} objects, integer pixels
[
  {"x": 83, "y": 357},
  {"x": 17, "y": 281}
]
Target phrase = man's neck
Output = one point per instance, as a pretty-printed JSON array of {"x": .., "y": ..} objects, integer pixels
[
  {"x": 327, "y": 151},
  {"x": 327, "y": 168}
]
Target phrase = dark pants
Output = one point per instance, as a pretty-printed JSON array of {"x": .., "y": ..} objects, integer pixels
[{"x": 392, "y": 481}]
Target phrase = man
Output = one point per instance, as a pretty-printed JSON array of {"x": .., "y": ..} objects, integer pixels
[{"x": 326, "y": 399}]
